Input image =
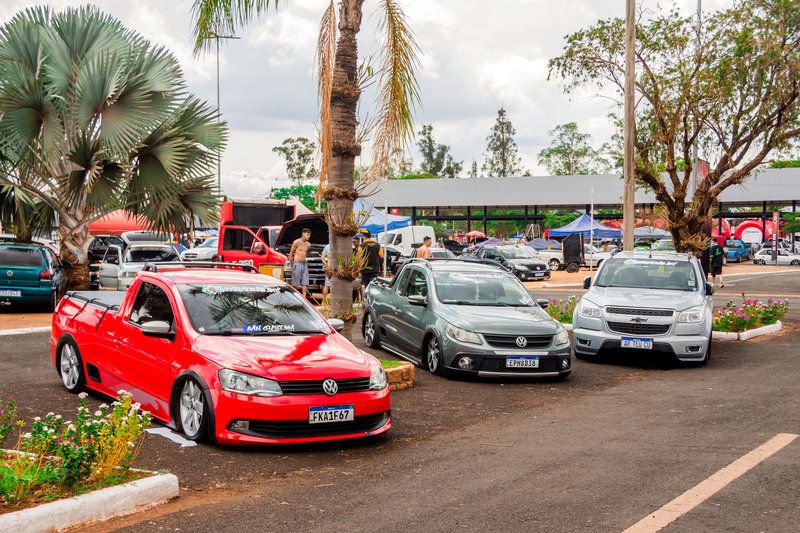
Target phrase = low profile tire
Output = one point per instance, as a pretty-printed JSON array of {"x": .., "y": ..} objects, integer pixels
[
  {"x": 370, "y": 330},
  {"x": 70, "y": 367},
  {"x": 554, "y": 264},
  {"x": 795, "y": 262},
  {"x": 432, "y": 355},
  {"x": 192, "y": 410}
]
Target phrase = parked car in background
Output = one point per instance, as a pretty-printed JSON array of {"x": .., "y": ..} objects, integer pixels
[
  {"x": 404, "y": 238},
  {"x": 464, "y": 317},
  {"x": 764, "y": 257},
  {"x": 593, "y": 257},
  {"x": 520, "y": 260},
  {"x": 99, "y": 245},
  {"x": 399, "y": 260},
  {"x": 32, "y": 274},
  {"x": 205, "y": 252},
  {"x": 120, "y": 267},
  {"x": 647, "y": 301},
  {"x": 738, "y": 251},
  {"x": 236, "y": 357}
]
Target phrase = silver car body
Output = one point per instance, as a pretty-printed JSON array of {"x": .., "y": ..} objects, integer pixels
[
  {"x": 205, "y": 252},
  {"x": 119, "y": 276},
  {"x": 657, "y": 301}
]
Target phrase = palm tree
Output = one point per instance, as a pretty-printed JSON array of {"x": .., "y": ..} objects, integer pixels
[
  {"x": 340, "y": 82},
  {"x": 94, "y": 118}
]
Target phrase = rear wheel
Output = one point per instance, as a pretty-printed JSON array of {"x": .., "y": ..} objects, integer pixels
[
  {"x": 554, "y": 264},
  {"x": 70, "y": 367},
  {"x": 795, "y": 262},
  {"x": 433, "y": 355},
  {"x": 573, "y": 267},
  {"x": 192, "y": 410},
  {"x": 53, "y": 303}
]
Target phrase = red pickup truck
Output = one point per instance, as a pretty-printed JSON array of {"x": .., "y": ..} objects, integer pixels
[{"x": 223, "y": 354}]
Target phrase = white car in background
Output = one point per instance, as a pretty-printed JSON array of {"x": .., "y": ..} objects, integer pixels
[
  {"x": 205, "y": 252},
  {"x": 764, "y": 257},
  {"x": 118, "y": 274}
]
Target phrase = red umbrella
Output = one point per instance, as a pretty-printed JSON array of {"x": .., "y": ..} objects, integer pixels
[
  {"x": 475, "y": 234},
  {"x": 117, "y": 222}
]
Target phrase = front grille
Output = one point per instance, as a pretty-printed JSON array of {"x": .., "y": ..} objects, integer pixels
[
  {"x": 638, "y": 329},
  {"x": 295, "y": 388},
  {"x": 510, "y": 341},
  {"x": 190, "y": 255},
  {"x": 301, "y": 429},
  {"x": 549, "y": 364},
  {"x": 639, "y": 312}
]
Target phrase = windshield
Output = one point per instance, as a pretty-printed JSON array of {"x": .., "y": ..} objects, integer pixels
[
  {"x": 259, "y": 309},
  {"x": 648, "y": 273},
  {"x": 20, "y": 257},
  {"x": 517, "y": 252},
  {"x": 147, "y": 255},
  {"x": 481, "y": 288}
]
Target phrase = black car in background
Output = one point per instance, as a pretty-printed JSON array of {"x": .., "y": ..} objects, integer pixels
[
  {"x": 99, "y": 246},
  {"x": 520, "y": 260}
]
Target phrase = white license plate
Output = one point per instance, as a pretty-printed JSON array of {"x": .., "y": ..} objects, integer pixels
[
  {"x": 641, "y": 344},
  {"x": 6, "y": 292},
  {"x": 522, "y": 362},
  {"x": 331, "y": 413},
  {"x": 538, "y": 274}
]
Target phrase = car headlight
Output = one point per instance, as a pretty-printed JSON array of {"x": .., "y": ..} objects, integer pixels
[
  {"x": 693, "y": 315},
  {"x": 589, "y": 310},
  {"x": 520, "y": 267},
  {"x": 562, "y": 337},
  {"x": 242, "y": 383},
  {"x": 378, "y": 381},
  {"x": 462, "y": 335}
]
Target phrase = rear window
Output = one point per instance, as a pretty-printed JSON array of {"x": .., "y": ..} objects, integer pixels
[{"x": 21, "y": 257}]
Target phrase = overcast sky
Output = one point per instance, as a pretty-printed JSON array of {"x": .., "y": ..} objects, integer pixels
[{"x": 478, "y": 56}]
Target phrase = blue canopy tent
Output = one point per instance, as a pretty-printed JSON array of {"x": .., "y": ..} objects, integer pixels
[
  {"x": 377, "y": 217},
  {"x": 541, "y": 244},
  {"x": 584, "y": 225},
  {"x": 650, "y": 232}
]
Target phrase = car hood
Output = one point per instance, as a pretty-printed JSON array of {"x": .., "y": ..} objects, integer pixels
[
  {"x": 531, "y": 320},
  {"x": 293, "y": 230},
  {"x": 649, "y": 298},
  {"x": 286, "y": 357}
]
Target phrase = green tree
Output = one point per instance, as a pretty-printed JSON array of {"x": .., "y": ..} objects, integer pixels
[
  {"x": 732, "y": 86},
  {"x": 23, "y": 215},
  {"x": 570, "y": 152},
  {"x": 502, "y": 157},
  {"x": 436, "y": 158},
  {"x": 307, "y": 194},
  {"x": 94, "y": 118},
  {"x": 299, "y": 155},
  {"x": 399, "y": 165},
  {"x": 340, "y": 82},
  {"x": 473, "y": 169}
]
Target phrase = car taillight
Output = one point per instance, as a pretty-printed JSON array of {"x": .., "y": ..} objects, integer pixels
[{"x": 44, "y": 275}]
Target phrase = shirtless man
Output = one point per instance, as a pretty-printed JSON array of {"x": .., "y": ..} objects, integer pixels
[
  {"x": 424, "y": 251},
  {"x": 297, "y": 256}
]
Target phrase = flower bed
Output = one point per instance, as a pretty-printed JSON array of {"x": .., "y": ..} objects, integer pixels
[
  {"x": 561, "y": 310},
  {"x": 750, "y": 314},
  {"x": 58, "y": 459}
]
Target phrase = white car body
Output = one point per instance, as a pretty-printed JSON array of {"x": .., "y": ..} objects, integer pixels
[
  {"x": 405, "y": 238},
  {"x": 764, "y": 257}
]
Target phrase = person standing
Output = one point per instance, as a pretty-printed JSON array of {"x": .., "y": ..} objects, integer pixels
[
  {"x": 297, "y": 256},
  {"x": 424, "y": 251},
  {"x": 717, "y": 259},
  {"x": 358, "y": 289},
  {"x": 326, "y": 256},
  {"x": 374, "y": 254}
]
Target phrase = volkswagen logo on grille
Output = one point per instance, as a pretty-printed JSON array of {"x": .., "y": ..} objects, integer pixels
[
  {"x": 330, "y": 387},
  {"x": 638, "y": 319},
  {"x": 522, "y": 342},
  {"x": 9, "y": 273}
]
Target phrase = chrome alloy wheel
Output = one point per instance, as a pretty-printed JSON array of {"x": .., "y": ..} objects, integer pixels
[
  {"x": 192, "y": 408},
  {"x": 70, "y": 367},
  {"x": 434, "y": 355},
  {"x": 369, "y": 329}
]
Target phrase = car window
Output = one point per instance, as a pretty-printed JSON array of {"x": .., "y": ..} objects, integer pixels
[
  {"x": 417, "y": 285},
  {"x": 146, "y": 254},
  {"x": 20, "y": 257},
  {"x": 401, "y": 281},
  {"x": 151, "y": 303},
  {"x": 492, "y": 254},
  {"x": 111, "y": 252},
  {"x": 648, "y": 273},
  {"x": 237, "y": 239}
]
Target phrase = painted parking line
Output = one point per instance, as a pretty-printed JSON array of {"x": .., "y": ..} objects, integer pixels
[{"x": 705, "y": 489}]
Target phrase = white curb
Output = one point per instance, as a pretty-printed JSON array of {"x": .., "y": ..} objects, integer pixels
[
  {"x": 747, "y": 334},
  {"x": 24, "y": 330},
  {"x": 567, "y": 327},
  {"x": 98, "y": 505}
]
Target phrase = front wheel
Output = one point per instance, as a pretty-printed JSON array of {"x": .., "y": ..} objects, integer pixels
[
  {"x": 759, "y": 262},
  {"x": 433, "y": 355},
  {"x": 192, "y": 410},
  {"x": 554, "y": 264},
  {"x": 70, "y": 367},
  {"x": 370, "y": 331},
  {"x": 795, "y": 262}
]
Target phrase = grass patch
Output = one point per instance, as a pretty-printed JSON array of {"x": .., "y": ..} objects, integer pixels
[{"x": 389, "y": 364}]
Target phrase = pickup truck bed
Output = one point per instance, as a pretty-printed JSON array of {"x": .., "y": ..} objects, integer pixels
[{"x": 102, "y": 299}]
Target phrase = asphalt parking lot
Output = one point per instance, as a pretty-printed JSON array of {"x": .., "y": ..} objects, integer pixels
[{"x": 600, "y": 451}]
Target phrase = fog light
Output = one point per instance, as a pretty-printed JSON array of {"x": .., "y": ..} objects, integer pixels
[
  {"x": 465, "y": 362},
  {"x": 584, "y": 342},
  {"x": 240, "y": 424},
  {"x": 565, "y": 363},
  {"x": 692, "y": 349}
]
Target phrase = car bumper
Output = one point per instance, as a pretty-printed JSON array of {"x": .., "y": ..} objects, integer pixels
[
  {"x": 684, "y": 347},
  {"x": 284, "y": 419},
  {"x": 33, "y": 295},
  {"x": 532, "y": 276},
  {"x": 552, "y": 363}
]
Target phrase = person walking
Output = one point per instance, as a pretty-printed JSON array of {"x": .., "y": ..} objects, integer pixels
[
  {"x": 297, "y": 256},
  {"x": 374, "y": 254},
  {"x": 424, "y": 251},
  {"x": 717, "y": 259},
  {"x": 326, "y": 256}
]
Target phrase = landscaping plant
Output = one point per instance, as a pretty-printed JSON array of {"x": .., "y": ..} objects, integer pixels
[
  {"x": 750, "y": 314},
  {"x": 561, "y": 310}
]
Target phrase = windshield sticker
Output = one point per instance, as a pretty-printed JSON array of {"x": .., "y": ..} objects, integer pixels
[
  {"x": 526, "y": 300},
  {"x": 475, "y": 275},
  {"x": 219, "y": 289},
  {"x": 649, "y": 262},
  {"x": 254, "y": 328},
  {"x": 319, "y": 324}
]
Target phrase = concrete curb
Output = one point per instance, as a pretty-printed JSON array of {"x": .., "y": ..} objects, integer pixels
[
  {"x": 747, "y": 334},
  {"x": 568, "y": 327},
  {"x": 97, "y": 505},
  {"x": 22, "y": 331}
]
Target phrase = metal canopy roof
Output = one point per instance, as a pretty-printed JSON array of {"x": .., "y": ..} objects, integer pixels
[{"x": 773, "y": 186}]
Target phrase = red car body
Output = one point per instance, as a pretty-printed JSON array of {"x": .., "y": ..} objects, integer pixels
[{"x": 115, "y": 354}]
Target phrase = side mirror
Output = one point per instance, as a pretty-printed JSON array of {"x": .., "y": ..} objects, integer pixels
[
  {"x": 709, "y": 288},
  {"x": 158, "y": 329},
  {"x": 112, "y": 261},
  {"x": 544, "y": 303},
  {"x": 66, "y": 264},
  {"x": 587, "y": 282},
  {"x": 336, "y": 324},
  {"x": 417, "y": 300}
]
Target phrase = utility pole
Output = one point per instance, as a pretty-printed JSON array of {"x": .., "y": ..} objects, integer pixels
[{"x": 629, "y": 131}]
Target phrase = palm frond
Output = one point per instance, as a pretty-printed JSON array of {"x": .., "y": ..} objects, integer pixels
[
  {"x": 223, "y": 17},
  {"x": 326, "y": 57}
]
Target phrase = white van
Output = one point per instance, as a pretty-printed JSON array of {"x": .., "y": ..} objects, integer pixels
[{"x": 403, "y": 238}]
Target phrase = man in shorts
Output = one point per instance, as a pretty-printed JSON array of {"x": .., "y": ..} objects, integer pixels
[{"x": 297, "y": 256}]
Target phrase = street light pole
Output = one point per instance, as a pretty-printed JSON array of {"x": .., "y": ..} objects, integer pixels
[
  {"x": 629, "y": 131},
  {"x": 216, "y": 37}
]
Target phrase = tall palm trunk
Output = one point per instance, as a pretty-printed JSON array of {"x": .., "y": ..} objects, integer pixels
[{"x": 344, "y": 102}]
